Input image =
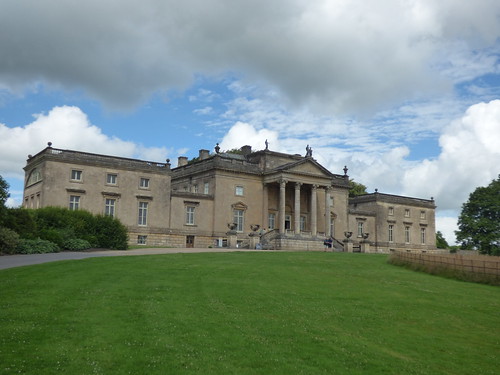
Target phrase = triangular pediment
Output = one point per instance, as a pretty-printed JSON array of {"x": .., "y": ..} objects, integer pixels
[{"x": 306, "y": 166}]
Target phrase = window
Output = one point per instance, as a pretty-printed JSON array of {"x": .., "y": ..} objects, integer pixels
[
  {"x": 360, "y": 229},
  {"x": 422, "y": 236},
  {"x": 407, "y": 234},
  {"x": 144, "y": 183},
  {"x": 272, "y": 221},
  {"x": 109, "y": 207},
  {"x": 74, "y": 202},
  {"x": 422, "y": 215},
  {"x": 143, "y": 213},
  {"x": 195, "y": 188},
  {"x": 111, "y": 179},
  {"x": 391, "y": 211},
  {"x": 206, "y": 188},
  {"x": 239, "y": 190},
  {"x": 76, "y": 175},
  {"x": 407, "y": 212},
  {"x": 391, "y": 233},
  {"x": 189, "y": 215},
  {"x": 35, "y": 176},
  {"x": 238, "y": 219},
  {"x": 302, "y": 223},
  {"x": 141, "y": 240}
]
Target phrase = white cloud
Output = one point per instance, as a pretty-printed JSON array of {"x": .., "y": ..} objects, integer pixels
[
  {"x": 470, "y": 157},
  {"x": 447, "y": 225},
  {"x": 67, "y": 128},
  {"x": 334, "y": 56},
  {"x": 245, "y": 134}
]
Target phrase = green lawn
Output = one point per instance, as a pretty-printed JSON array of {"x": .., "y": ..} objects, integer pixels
[{"x": 244, "y": 313}]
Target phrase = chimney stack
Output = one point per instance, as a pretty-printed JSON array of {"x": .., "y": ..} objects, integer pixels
[
  {"x": 246, "y": 150},
  {"x": 182, "y": 160},
  {"x": 203, "y": 154}
]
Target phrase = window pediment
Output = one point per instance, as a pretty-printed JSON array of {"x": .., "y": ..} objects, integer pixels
[{"x": 239, "y": 206}]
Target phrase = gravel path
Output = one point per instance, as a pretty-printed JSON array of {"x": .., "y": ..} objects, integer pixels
[{"x": 10, "y": 261}]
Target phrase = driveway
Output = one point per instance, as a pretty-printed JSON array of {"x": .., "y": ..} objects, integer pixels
[{"x": 10, "y": 261}]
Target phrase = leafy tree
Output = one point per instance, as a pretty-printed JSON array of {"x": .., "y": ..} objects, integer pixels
[
  {"x": 4, "y": 194},
  {"x": 441, "y": 242},
  {"x": 356, "y": 189},
  {"x": 479, "y": 221}
]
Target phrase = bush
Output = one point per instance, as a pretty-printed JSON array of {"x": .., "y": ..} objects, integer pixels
[
  {"x": 110, "y": 233},
  {"x": 76, "y": 244},
  {"x": 21, "y": 220},
  {"x": 8, "y": 240},
  {"x": 37, "y": 246}
]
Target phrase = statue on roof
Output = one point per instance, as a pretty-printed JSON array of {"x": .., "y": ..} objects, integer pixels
[
  {"x": 309, "y": 151},
  {"x": 267, "y": 145}
]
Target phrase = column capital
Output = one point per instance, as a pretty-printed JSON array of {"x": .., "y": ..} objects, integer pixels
[
  {"x": 282, "y": 182},
  {"x": 298, "y": 185},
  {"x": 314, "y": 186}
]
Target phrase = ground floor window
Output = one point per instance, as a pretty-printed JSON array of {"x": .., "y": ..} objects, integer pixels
[
  {"x": 302, "y": 223},
  {"x": 143, "y": 213},
  {"x": 272, "y": 221},
  {"x": 141, "y": 240},
  {"x": 407, "y": 234},
  {"x": 422, "y": 236},
  {"x": 74, "y": 202},
  {"x": 391, "y": 233},
  {"x": 109, "y": 208},
  {"x": 189, "y": 215},
  {"x": 239, "y": 219},
  {"x": 360, "y": 229}
]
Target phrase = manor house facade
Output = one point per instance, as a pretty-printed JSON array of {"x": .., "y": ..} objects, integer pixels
[{"x": 262, "y": 199}]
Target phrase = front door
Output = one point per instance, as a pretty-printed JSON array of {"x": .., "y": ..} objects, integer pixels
[{"x": 189, "y": 241}]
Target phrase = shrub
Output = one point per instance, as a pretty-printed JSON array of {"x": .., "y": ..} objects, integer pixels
[
  {"x": 22, "y": 222},
  {"x": 76, "y": 244},
  {"x": 111, "y": 233},
  {"x": 37, "y": 246},
  {"x": 8, "y": 240}
]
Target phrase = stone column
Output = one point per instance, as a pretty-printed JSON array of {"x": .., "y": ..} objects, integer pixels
[
  {"x": 314, "y": 211},
  {"x": 327, "y": 212},
  {"x": 297, "y": 208},
  {"x": 282, "y": 206},
  {"x": 265, "y": 207}
]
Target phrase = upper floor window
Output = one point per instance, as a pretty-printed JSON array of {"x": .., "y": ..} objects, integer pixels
[
  {"x": 74, "y": 202},
  {"x": 407, "y": 212},
  {"x": 111, "y": 178},
  {"x": 422, "y": 215},
  {"x": 391, "y": 211},
  {"x": 76, "y": 175},
  {"x": 206, "y": 188},
  {"x": 34, "y": 176},
  {"x": 239, "y": 190},
  {"x": 195, "y": 188},
  {"x": 144, "y": 183}
]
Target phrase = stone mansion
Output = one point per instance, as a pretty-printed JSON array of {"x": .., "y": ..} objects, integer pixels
[{"x": 256, "y": 199}]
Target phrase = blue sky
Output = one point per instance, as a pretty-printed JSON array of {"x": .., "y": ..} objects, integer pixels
[{"x": 405, "y": 93}]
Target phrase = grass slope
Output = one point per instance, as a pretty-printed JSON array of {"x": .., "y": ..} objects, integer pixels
[{"x": 244, "y": 313}]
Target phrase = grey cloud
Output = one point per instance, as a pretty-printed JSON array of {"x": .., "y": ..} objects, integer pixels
[{"x": 331, "y": 56}]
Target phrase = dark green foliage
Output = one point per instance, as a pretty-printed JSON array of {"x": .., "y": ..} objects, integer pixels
[
  {"x": 356, "y": 189},
  {"x": 22, "y": 222},
  {"x": 37, "y": 246},
  {"x": 76, "y": 244},
  {"x": 8, "y": 241},
  {"x": 110, "y": 233},
  {"x": 479, "y": 221},
  {"x": 4, "y": 194},
  {"x": 60, "y": 225},
  {"x": 441, "y": 242}
]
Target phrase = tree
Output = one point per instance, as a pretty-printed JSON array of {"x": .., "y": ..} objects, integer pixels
[
  {"x": 356, "y": 189},
  {"x": 479, "y": 221},
  {"x": 4, "y": 194},
  {"x": 441, "y": 242}
]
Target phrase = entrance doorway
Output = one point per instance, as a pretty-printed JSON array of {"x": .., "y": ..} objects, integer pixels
[
  {"x": 288, "y": 222},
  {"x": 189, "y": 241}
]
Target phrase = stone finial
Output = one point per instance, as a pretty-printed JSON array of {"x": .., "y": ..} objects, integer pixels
[
  {"x": 49, "y": 144},
  {"x": 376, "y": 190},
  {"x": 345, "y": 170}
]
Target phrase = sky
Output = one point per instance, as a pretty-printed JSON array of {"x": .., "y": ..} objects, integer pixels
[{"x": 405, "y": 93}]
